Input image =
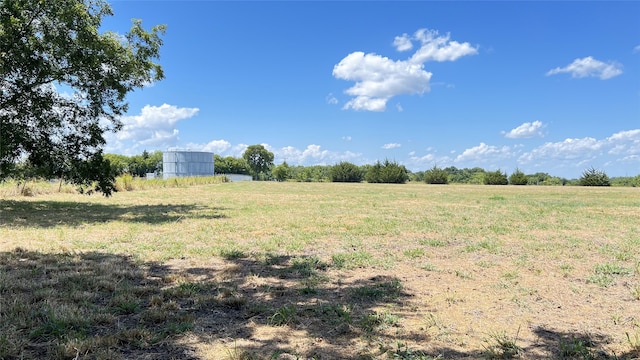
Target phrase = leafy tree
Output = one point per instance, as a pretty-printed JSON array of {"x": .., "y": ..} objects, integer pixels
[
  {"x": 230, "y": 165},
  {"x": 119, "y": 163},
  {"x": 49, "y": 49},
  {"x": 436, "y": 175},
  {"x": 518, "y": 178},
  {"x": 281, "y": 172},
  {"x": 345, "y": 172},
  {"x": 260, "y": 160},
  {"x": 495, "y": 178},
  {"x": 594, "y": 177}
]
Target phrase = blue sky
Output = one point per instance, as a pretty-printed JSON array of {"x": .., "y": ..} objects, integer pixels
[{"x": 541, "y": 86}]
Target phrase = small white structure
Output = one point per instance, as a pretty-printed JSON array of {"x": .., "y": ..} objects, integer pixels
[
  {"x": 187, "y": 163},
  {"x": 238, "y": 177}
]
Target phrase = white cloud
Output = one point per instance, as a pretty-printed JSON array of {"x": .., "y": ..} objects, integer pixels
[
  {"x": 399, "y": 108},
  {"x": 313, "y": 154},
  {"x": 589, "y": 67},
  {"x": 439, "y": 48},
  {"x": 391, "y": 146},
  {"x": 214, "y": 146},
  {"x": 403, "y": 43},
  {"x": 346, "y": 138},
  {"x": 636, "y": 49},
  {"x": 154, "y": 127},
  {"x": 624, "y": 142},
  {"x": 483, "y": 153},
  {"x": 569, "y": 149},
  {"x": 623, "y": 146},
  {"x": 379, "y": 78},
  {"x": 526, "y": 130}
]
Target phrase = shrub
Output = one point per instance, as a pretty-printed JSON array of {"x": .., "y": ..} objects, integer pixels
[
  {"x": 518, "y": 178},
  {"x": 436, "y": 175},
  {"x": 388, "y": 172},
  {"x": 345, "y": 172},
  {"x": 495, "y": 178},
  {"x": 594, "y": 177}
]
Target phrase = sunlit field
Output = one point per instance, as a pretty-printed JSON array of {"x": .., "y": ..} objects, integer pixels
[{"x": 268, "y": 270}]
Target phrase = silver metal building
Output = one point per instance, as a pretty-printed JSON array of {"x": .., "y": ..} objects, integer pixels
[{"x": 186, "y": 163}]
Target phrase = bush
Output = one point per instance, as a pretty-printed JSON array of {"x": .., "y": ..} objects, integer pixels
[
  {"x": 518, "y": 178},
  {"x": 282, "y": 172},
  {"x": 345, "y": 172},
  {"x": 436, "y": 175},
  {"x": 495, "y": 178},
  {"x": 594, "y": 177},
  {"x": 387, "y": 172}
]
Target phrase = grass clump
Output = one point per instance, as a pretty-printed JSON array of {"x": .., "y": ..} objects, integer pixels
[{"x": 501, "y": 346}]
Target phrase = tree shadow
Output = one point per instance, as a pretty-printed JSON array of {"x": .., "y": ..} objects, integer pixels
[
  {"x": 99, "y": 305},
  {"x": 42, "y": 214},
  {"x": 246, "y": 306}
]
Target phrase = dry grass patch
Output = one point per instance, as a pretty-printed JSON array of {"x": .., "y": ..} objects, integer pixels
[{"x": 259, "y": 270}]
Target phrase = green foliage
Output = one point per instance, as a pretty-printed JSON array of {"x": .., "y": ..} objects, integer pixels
[
  {"x": 594, "y": 177},
  {"x": 57, "y": 43},
  {"x": 495, "y": 178},
  {"x": 436, "y": 175},
  {"x": 345, "y": 172},
  {"x": 259, "y": 159},
  {"x": 282, "y": 172},
  {"x": 317, "y": 173},
  {"x": 518, "y": 178},
  {"x": 465, "y": 176},
  {"x": 230, "y": 165},
  {"x": 387, "y": 172},
  {"x": 626, "y": 181}
]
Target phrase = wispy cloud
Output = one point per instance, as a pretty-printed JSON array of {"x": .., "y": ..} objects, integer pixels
[
  {"x": 526, "y": 130},
  {"x": 391, "y": 146},
  {"x": 636, "y": 49},
  {"x": 379, "y": 78},
  {"x": 589, "y": 67},
  {"x": 330, "y": 99}
]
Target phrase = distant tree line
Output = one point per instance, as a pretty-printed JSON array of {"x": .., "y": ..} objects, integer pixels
[{"x": 258, "y": 162}]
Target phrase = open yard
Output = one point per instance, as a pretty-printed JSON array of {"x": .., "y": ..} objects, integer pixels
[{"x": 266, "y": 270}]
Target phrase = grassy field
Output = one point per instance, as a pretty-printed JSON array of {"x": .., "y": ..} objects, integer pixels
[{"x": 266, "y": 270}]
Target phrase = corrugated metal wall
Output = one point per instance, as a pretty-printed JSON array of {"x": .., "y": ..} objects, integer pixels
[{"x": 187, "y": 163}]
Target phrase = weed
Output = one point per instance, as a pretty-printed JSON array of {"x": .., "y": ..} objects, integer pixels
[
  {"x": 414, "y": 253},
  {"x": 402, "y": 351},
  {"x": 463, "y": 274},
  {"x": 232, "y": 254},
  {"x": 601, "y": 280},
  {"x": 634, "y": 341},
  {"x": 566, "y": 269},
  {"x": 352, "y": 260},
  {"x": 429, "y": 267},
  {"x": 612, "y": 269},
  {"x": 501, "y": 346},
  {"x": 375, "y": 321},
  {"x": 387, "y": 290},
  {"x": 575, "y": 348},
  {"x": 433, "y": 242},
  {"x": 307, "y": 266},
  {"x": 285, "y": 315},
  {"x": 486, "y": 264}
]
